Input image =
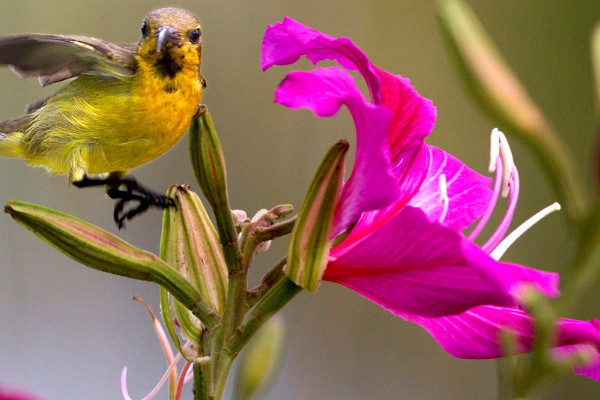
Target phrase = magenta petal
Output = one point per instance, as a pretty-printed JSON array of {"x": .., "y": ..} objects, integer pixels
[
  {"x": 410, "y": 265},
  {"x": 510, "y": 277},
  {"x": 468, "y": 192},
  {"x": 592, "y": 369},
  {"x": 286, "y": 41},
  {"x": 413, "y": 116},
  {"x": 372, "y": 184},
  {"x": 475, "y": 333},
  {"x": 323, "y": 91}
]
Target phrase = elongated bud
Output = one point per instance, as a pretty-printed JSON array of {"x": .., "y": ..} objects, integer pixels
[
  {"x": 207, "y": 159},
  {"x": 496, "y": 89},
  {"x": 191, "y": 245},
  {"x": 310, "y": 242},
  {"x": 596, "y": 71},
  {"x": 209, "y": 167},
  {"x": 260, "y": 359},
  {"x": 100, "y": 250},
  {"x": 488, "y": 77},
  {"x": 595, "y": 50}
]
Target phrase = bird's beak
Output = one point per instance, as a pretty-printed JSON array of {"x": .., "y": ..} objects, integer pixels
[{"x": 165, "y": 35}]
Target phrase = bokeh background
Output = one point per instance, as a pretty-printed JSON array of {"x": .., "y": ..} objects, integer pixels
[{"x": 67, "y": 331}]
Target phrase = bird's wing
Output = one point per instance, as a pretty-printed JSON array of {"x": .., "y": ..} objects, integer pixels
[{"x": 53, "y": 58}]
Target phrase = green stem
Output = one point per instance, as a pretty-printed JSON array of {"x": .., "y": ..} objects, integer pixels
[
  {"x": 268, "y": 281},
  {"x": 222, "y": 373},
  {"x": 201, "y": 372},
  {"x": 272, "y": 301}
]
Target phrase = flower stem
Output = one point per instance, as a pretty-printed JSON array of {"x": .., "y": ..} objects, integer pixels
[{"x": 271, "y": 302}]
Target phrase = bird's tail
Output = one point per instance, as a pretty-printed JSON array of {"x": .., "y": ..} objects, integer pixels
[{"x": 11, "y": 135}]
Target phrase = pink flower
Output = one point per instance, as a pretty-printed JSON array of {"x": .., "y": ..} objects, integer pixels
[
  {"x": 403, "y": 248},
  {"x": 398, "y": 252}
]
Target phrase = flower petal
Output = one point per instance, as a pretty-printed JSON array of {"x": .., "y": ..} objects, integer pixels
[
  {"x": 591, "y": 369},
  {"x": 475, "y": 333},
  {"x": 413, "y": 116},
  {"x": 468, "y": 192},
  {"x": 285, "y": 42},
  {"x": 372, "y": 184},
  {"x": 437, "y": 272}
]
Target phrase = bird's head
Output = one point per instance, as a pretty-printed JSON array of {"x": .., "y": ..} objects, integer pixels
[{"x": 171, "y": 40}]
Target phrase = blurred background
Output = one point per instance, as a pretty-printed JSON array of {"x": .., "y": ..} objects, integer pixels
[{"x": 67, "y": 331}]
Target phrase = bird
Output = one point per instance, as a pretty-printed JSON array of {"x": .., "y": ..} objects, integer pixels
[{"x": 123, "y": 104}]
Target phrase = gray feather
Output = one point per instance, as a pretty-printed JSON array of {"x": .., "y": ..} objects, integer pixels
[{"x": 54, "y": 58}]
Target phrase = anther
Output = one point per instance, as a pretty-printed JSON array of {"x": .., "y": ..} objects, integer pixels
[{"x": 507, "y": 163}]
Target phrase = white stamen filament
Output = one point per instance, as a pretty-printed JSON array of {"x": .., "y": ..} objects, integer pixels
[
  {"x": 443, "y": 197},
  {"x": 524, "y": 227}
]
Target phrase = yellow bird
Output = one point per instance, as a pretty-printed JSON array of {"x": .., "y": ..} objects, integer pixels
[{"x": 127, "y": 103}]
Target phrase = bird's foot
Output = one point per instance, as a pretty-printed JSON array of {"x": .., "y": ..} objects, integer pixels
[
  {"x": 128, "y": 189},
  {"x": 125, "y": 190}
]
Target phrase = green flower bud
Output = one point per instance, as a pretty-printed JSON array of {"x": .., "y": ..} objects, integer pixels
[
  {"x": 497, "y": 90},
  {"x": 259, "y": 360},
  {"x": 103, "y": 251},
  {"x": 191, "y": 245},
  {"x": 207, "y": 159},
  {"x": 310, "y": 241}
]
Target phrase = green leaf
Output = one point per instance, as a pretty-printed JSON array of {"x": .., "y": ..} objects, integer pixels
[
  {"x": 103, "y": 251},
  {"x": 310, "y": 242}
]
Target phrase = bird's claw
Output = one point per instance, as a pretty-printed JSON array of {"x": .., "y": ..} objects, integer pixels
[{"x": 130, "y": 190}]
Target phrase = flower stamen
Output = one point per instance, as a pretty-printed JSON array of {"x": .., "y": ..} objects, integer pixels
[
  {"x": 184, "y": 372},
  {"x": 496, "y": 238},
  {"x": 521, "y": 229},
  {"x": 501, "y": 162},
  {"x": 507, "y": 162},
  {"x": 162, "y": 380},
  {"x": 492, "y": 203},
  {"x": 443, "y": 197}
]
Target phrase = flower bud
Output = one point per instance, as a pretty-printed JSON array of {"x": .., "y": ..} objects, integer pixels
[
  {"x": 310, "y": 241},
  {"x": 497, "y": 90},
  {"x": 259, "y": 360},
  {"x": 190, "y": 244},
  {"x": 100, "y": 250},
  {"x": 207, "y": 159}
]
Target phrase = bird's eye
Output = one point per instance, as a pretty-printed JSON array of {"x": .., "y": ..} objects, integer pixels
[
  {"x": 195, "y": 36},
  {"x": 145, "y": 29}
]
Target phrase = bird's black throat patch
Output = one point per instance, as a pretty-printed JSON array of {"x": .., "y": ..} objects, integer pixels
[{"x": 166, "y": 66}]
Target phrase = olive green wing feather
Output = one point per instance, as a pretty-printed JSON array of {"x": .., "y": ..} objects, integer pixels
[{"x": 53, "y": 58}]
